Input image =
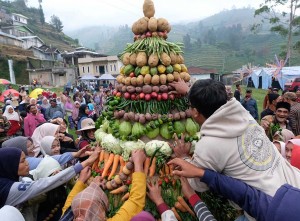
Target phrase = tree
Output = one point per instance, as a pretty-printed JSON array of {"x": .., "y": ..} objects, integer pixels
[
  {"x": 286, "y": 24},
  {"x": 56, "y": 23},
  {"x": 187, "y": 41},
  {"x": 42, "y": 16}
]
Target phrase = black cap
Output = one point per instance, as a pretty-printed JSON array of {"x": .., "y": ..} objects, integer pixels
[
  {"x": 272, "y": 97},
  {"x": 249, "y": 91},
  {"x": 284, "y": 105}
]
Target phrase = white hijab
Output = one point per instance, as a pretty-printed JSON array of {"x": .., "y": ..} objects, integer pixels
[
  {"x": 46, "y": 129},
  {"x": 10, "y": 213},
  {"x": 45, "y": 168},
  {"x": 46, "y": 145},
  {"x": 13, "y": 116},
  {"x": 282, "y": 148}
]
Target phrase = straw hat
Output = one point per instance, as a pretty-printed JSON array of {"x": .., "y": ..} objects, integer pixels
[{"x": 87, "y": 124}]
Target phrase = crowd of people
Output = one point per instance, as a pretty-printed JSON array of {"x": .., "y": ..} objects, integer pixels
[{"x": 252, "y": 162}]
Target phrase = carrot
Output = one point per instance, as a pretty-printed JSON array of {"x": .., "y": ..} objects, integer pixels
[
  {"x": 107, "y": 165},
  {"x": 125, "y": 197},
  {"x": 171, "y": 169},
  {"x": 161, "y": 173},
  {"x": 106, "y": 156},
  {"x": 115, "y": 166},
  {"x": 176, "y": 214},
  {"x": 121, "y": 189},
  {"x": 167, "y": 170},
  {"x": 122, "y": 164},
  {"x": 152, "y": 167},
  {"x": 180, "y": 207},
  {"x": 95, "y": 164},
  {"x": 101, "y": 156},
  {"x": 146, "y": 165},
  {"x": 184, "y": 204}
]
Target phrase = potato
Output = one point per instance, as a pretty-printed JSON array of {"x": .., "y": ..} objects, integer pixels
[
  {"x": 147, "y": 79},
  {"x": 148, "y": 8},
  {"x": 138, "y": 89},
  {"x": 176, "y": 76},
  {"x": 180, "y": 59},
  {"x": 141, "y": 59},
  {"x": 173, "y": 58},
  {"x": 155, "y": 88},
  {"x": 127, "y": 80},
  {"x": 152, "y": 24},
  {"x": 187, "y": 77},
  {"x": 124, "y": 89},
  {"x": 147, "y": 89},
  {"x": 133, "y": 81},
  {"x": 130, "y": 89},
  {"x": 132, "y": 59},
  {"x": 135, "y": 28},
  {"x": 163, "y": 79},
  {"x": 142, "y": 25},
  {"x": 120, "y": 78},
  {"x": 163, "y": 88},
  {"x": 140, "y": 80},
  {"x": 165, "y": 59},
  {"x": 170, "y": 77},
  {"x": 162, "y": 24},
  {"x": 153, "y": 60},
  {"x": 125, "y": 58},
  {"x": 155, "y": 80},
  {"x": 123, "y": 80}
]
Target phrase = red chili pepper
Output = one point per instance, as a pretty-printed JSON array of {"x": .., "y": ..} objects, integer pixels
[
  {"x": 166, "y": 179},
  {"x": 159, "y": 182}
]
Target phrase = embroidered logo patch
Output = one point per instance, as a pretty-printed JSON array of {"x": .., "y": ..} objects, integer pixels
[{"x": 255, "y": 149}]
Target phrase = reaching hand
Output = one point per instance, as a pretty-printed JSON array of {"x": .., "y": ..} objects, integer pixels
[
  {"x": 186, "y": 189},
  {"x": 100, "y": 182},
  {"x": 85, "y": 174},
  {"x": 154, "y": 193},
  {"x": 180, "y": 86},
  {"x": 185, "y": 169},
  {"x": 138, "y": 157},
  {"x": 180, "y": 147},
  {"x": 94, "y": 156}
]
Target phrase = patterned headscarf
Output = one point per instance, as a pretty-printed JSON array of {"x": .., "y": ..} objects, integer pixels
[{"x": 90, "y": 204}]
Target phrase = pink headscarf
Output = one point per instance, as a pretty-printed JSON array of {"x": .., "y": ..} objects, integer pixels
[
  {"x": 90, "y": 204},
  {"x": 295, "y": 159},
  {"x": 68, "y": 104},
  {"x": 46, "y": 129},
  {"x": 143, "y": 216},
  {"x": 295, "y": 141}
]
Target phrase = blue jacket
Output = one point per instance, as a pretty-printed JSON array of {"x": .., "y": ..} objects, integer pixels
[
  {"x": 251, "y": 106},
  {"x": 283, "y": 206}
]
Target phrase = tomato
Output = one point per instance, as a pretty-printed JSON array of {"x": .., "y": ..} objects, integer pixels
[
  {"x": 159, "y": 97},
  {"x": 172, "y": 97},
  {"x": 126, "y": 95},
  {"x": 115, "y": 92},
  {"x": 119, "y": 94},
  {"x": 133, "y": 97},
  {"x": 128, "y": 182},
  {"x": 142, "y": 95},
  {"x": 132, "y": 75}
]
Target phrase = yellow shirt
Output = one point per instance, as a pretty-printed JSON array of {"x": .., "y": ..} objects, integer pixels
[{"x": 134, "y": 205}]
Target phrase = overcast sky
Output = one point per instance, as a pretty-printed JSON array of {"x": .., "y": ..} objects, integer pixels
[{"x": 82, "y": 13}]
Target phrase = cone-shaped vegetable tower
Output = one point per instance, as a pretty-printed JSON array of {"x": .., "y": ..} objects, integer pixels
[{"x": 144, "y": 105}]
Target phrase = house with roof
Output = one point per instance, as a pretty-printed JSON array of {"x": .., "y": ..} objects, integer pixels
[
  {"x": 71, "y": 58},
  {"x": 98, "y": 66},
  {"x": 29, "y": 41},
  {"x": 203, "y": 73},
  {"x": 17, "y": 30},
  {"x": 7, "y": 39},
  {"x": 19, "y": 19},
  {"x": 45, "y": 52}
]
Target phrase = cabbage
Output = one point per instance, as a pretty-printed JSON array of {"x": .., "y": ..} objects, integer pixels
[
  {"x": 163, "y": 146},
  {"x": 129, "y": 146},
  {"x": 105, "y": 125},
  {"x": 164, "y": 131},
  {"x": 191, "y": 127},
  {"x": 99, "y": 134},
  {"x": 125, "y": 128},
  {"x": 111, "y": 144}
]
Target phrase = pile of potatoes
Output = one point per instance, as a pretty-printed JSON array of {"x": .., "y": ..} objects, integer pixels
[{"x": 153, "y": 25}]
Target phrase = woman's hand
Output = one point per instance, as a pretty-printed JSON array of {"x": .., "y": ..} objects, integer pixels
[
  {"x": 85, "y": 174},
  {"x": 154, "y": 193}
]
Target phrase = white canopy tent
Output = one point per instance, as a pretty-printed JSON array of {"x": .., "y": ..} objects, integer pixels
[
  {"x": 88, "y": 77},
  {"x": 106, "y": 77},
  {"x": 286, "y": 74}
]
